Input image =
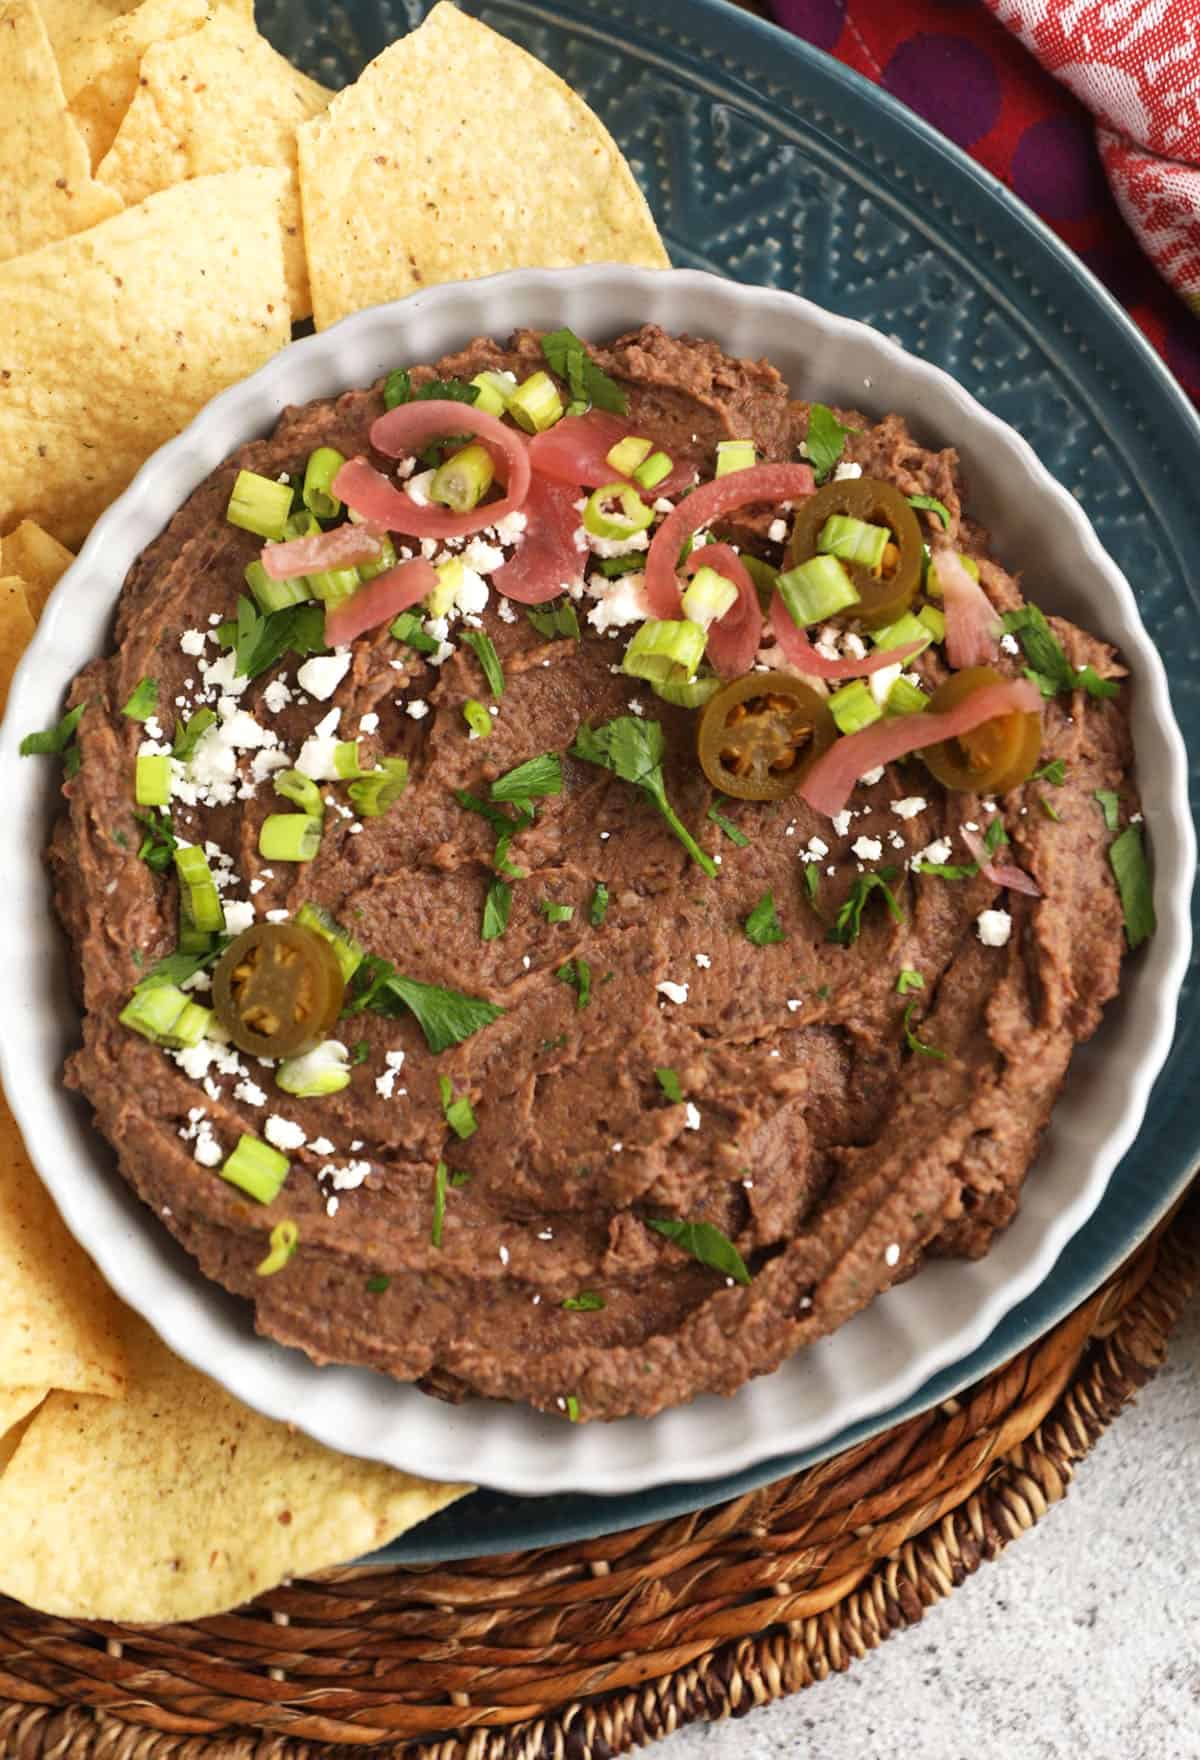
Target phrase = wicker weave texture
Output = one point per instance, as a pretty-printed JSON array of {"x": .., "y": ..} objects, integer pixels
[{"x": 584, "y": 1652}]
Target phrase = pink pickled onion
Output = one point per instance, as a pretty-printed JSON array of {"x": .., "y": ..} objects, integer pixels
[
  {"x": 376, "y": 601},
  {"x": 546, "y": 561},
  {"x": 576, "y": 450},
  {"x": 763, "y": 482},
  {"x": 799, "y": 652},
  {"x": 406, "y": 429},
  {"x": 827, "y": 785},
  {"x": 340, "y": 548},
  {"x": 1000, "y": 873},
  {"x": 971, "y": 618},
  {"x": 734, "y": 639}
]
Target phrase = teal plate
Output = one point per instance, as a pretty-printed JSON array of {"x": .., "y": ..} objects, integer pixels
[{"x": 768, "y": 162}]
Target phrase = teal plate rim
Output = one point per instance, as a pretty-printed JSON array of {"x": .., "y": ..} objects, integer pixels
[{"x": 801, "y": 115}]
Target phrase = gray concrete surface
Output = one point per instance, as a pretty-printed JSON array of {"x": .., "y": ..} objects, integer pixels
[{"x": 1081, "y": 1642}]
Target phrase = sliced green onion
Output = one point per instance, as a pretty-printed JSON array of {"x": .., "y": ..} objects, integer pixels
[
  {"x": 407, "y": 629},
  {"x": 905, "y": 699},
  {"x": 301, "y": 524},
  {"x": 687, "y": 693},
  {"x": 536, "y": 405},
  {"x": 901, "y": 634},
  {"x": 668, "y": 1081},
  {"x": 934, "y": 621},
  {"x": 385, "y": 560},
  {"x": 663, "y": 650},
  {"x": 602, "y": 521},
  {"x": 477, "y": 718},
  {"x": 289, "y": 837},
  {"x": 654, "y": 469},
  {"x": 195, "y": 878},
  {"x": 143, "y": 701},
  {"x": 628, "y": 454},
  {"x": 817, "y": 589},
  {"x": 465, "y": 478},
  {"x": 158, "y": 1011},
  {"x": 191, "y": 939},
  {"x": 346, "y": 760},
  {"x": 735, "y": 455},
  {"x": 853, "y": 540},
  {"x": 708, "y": 597},
  {"x": 317, "y": 494},
  {"x": 494, "y": 391},
  {"x": 380, "y": 789},
  {"x": 259, "y": 505},
  {"x": 191, "y": 1025},
  {"x": 460, "y": 1115},
  {"x": 484, "y": 650},
  {"x": 440, "y": 602},
  {"x": 294, "y": 786},
  {"x": 853, "y": 707},
  {"x": 350, "y": 953},
  {"x": 152, "y": 781},
  {"x": 932, "y": 584},
  {"x": 272, "y": 595},
  {"x": 256, "y": 1169},
  {"x": 285, "y": 1237},
  {"x": 333, "y": 585},
  {"x": 613, "y": 566},
  {"x": 323, "y": 1070}
]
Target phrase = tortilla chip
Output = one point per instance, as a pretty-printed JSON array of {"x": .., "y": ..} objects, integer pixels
[
  {"x": 48, "y": 191},
  {"x": 177, "y": 1502},
  {"x": 16, "y": 630},
  {"x": 115, "y": 338},
  {"x": 213, "y": 101},
  {"x": 456, "y": 154},
  {"x": 16, "y": 1405},
  {"x": 99, "y": 65},
  {"x": 59, "y": 1322},
  {"x": 39, "y": 559},
  {"x": 67, "y": 19}
]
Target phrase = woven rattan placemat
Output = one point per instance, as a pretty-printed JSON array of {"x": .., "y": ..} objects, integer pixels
[{"x": 583, "y": 1652}]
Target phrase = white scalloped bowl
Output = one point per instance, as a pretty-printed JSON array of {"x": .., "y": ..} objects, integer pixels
[{"x": 890, "y": 1349}]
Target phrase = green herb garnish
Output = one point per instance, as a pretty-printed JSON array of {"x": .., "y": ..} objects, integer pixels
[
  {"x": 258, "y": 642},
  {"x": 378, "y": 1284},
  {"x": 1048, "y": 665},
  {"x": 397, "y": 389},
  {"x": 143, "y": 701},
  {"x": 485, "y": 652},
  {"x": 731, "y": 831},
  {"x": 158, "y": 845},
  {"x": 439, "y": 1202},
  {"x": 566, "y": 355},
  {"x": 762, "y": 926},
  {"x": 632, "y": 749},
  {"x": 359, "y": 1052},
  {"x": 407, "y": 629},
  {"x": 1127, "y": 858},
  {"x": 947, "y": 870},
  {"x": 848, "y": 924},
  {"x": 1055, "y": 773},
  {"x": 446, "y": 1017},
  {"x": 812, "y": 882},
  {"x": 586, "y": 1302},
  {"x": 57, "y": 740},
  {"x": 612, "y": 566},
  {"x": 931, "y": 504},
  {"x": 1110, "y": 805},
  {"x": 1049, "y": 810},
  {"x": 531, "y": 780},
  {"x": 668, "y": 1081},
  {"x": 598, "y": 905},
  {"x": 919, "y": 1045},
  {"x": 554, "y": 912},
  {"x": 825, "y": 440},
  {"x": 556, "y": 622},
  {"x": 577, "y": 973},
  {"x": 909, "y": 980},
  {"x": 497, "y": 908},
  {"x": 995, "y": 836},
  {"x": 572, "y": 1408},
  {"x": 705, "y": 1243},
  {"x": 189, "y": 734},
  {"x": 177, "y": 968},
  {"x": 460, "y": 1114}
]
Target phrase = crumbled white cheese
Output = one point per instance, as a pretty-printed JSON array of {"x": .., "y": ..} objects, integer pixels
[
  {"x": 817, "y": 847},
  {"x": 194, "y": 1060},
  {"x": 239, "y": 914},
  {"x": 385, "y": 1083},
  {"x": 321, "y": 1146},
  {"x": 348, "y": 1178},
  {"x": 910, "y": 806},
  {"x": 511, "y": 528},
  {"x": 892, "y": 1255},
  {"x": 623, "y": 602},
  {"x": 845, "y": 471},
  {"x": 417, "y": 709},
  {"x": 672, "y": 992},
  {"x": 852, "y": 643},
  {"x": 691, "y": 1117},
  {"x": 937, "y": 852},
  {"x": 394, "y": 1059},
  {"x": 777, "y": 531},
  {"x": 1009, "y": 643},
  {"x": 703, "y": 960},
  {"x": 221, "y": 675},
  {"x": 323, "y": 673},
  {"x": 192, "y": 641},
  {"x": 277, "y": 696},
  {"x": 316, "y": 760},
  {"x": 281, "y": 1133},
  {"x": 482, "y": 557},
  {"x": 250, "y": 1092},
  {"x": 471, "y": 595},
  {"x": 606, "y": 547},
  {"x": 867, "y": 849},
  {"x": 882, "y": 681},
  {"x": 871, "y": 777},
  {"x": 794, "y": 1003},
  {"x": 242, "y": 732},
  {"x": 841, "y": 821},
  {"x": 207, "y": 1150},
  {"x": 418, "y": 486},
  {"x": 505, "y": 608},
  {"x": 369, "y": 723},
  {"x": 993, "y": 928}
]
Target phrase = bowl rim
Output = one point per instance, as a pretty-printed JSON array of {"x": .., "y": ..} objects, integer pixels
[{"x": 189, "y": 1321}]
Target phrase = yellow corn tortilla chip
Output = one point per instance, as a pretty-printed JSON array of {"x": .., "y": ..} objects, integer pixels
[
  {"x": 59, "y": 1322},
  {"x": 16, "y": 1405},
  {"x": 177, "y": 1502},
  {"x": 99, "y": 66},
  {"x": 16, "y": 630},
  {"x": 456, "y": 154},
  {"x": 213, "y": 101},
  {"x": 39, "y": 559},
  {"x": 113, "y": 339},
  {"x": 47, "y": 191},
  {"x": 67, "y": 19}
]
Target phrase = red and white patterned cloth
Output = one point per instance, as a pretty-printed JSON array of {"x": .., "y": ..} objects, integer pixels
[{"x": 1136, "y": 65}]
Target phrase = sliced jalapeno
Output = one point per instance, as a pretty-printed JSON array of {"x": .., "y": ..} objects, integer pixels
[
  {"x": 886, "y": 593},
  {"x": 992, "y": 758},
  {"x": 759, "y": 734},
  {"x": 277, "y": 989}
]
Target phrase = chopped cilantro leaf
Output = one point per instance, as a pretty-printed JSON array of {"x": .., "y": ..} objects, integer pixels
[
  {"x": 586, "y": 1302},
  {"x": 1049, "y": 810},
  {"x": 567, "y": 356},
  {"x": 554, "y": 912},
  {"x": 731, "y": 831},
  {"x": 572, "y": 1405},
  {"x": 909, "y": 980},
  {"x": 188, "y": 735},
  {"x": 460, "y": 1179},
  {"x": 143, "y": 700},
  {"x": 485, "y": 652},
  {"x": 668, "y": 1081},
  {"x": 577, "y": 973},
  {"x": 848, "y": 925},
  {"x": 1127, "y": 858},
  {"x": 530, "y": 780},
  {"x": 446, "y": 1017},
  {"x": 460, "y": 1114},
  {"x": 919, "y": 1045},
  {"x": 497, "y": 908},
  {"x": 407, "y": 629},
  {"x": 1110, "y": 805},
  {"x": 1048, "y": 666},
  {"x": 825, "y": 440},
  {"x": 397, "y": 389},
  {"x": 378, "y": 1284},
  {"x": 947, "y": 870},
  {"x": 158, "y": 845},
  {"x": 177, "y": 968},
  {"x": 931, "y": 504},
  {"x": 762, "y": 926},
  {"x": 556, "y": 622},
  {"x": 632, "y": 749},
  {"x": 53, "y": 740},
  {"x": 705, "y": 1243},
  {"x": 120, "y": 839},
  {"x": 598, "y": 905},
  {"x": 446, "y": 391},
  {"x": 258, "y": 642},
  {"x": 612, "y": 566},
  {"x": 1055, "y": 773},
  {"x": 812, "y": 882},
  {"x": 995, "y": 836},
  {"x": 439, "y": 1203},
  {"x": 824, "y": 993},
  {"x": 359, "y": 1052}
]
